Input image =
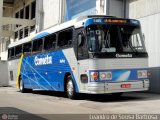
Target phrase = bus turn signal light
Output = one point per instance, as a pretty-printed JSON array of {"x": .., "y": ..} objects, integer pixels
[{"x": 84, "y": 78}]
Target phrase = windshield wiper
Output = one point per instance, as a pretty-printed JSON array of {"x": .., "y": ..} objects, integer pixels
[
  {"x": 106, "y": 38},
  {"x": 133, "y": 49}
]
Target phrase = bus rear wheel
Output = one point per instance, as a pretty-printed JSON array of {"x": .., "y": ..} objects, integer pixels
[{"x": 70, "y": 88}]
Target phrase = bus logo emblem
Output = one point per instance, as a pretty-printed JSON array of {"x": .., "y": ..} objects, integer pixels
[
  {"x": 43, "y": 61},
  {"x": 124, "y": 56}
]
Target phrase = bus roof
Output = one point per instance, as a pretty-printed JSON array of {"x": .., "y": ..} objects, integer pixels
[{"x": 77, "y": 22}]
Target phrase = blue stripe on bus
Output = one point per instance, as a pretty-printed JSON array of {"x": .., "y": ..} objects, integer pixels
[
  {"x": 89, "y": 22},
  {"x": 40, "y": 35},
  {"x": 46, "y": 71},
  {"x": 120, "y": 75}
]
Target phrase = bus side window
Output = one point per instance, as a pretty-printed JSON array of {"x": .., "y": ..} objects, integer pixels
[
  {"x": 9, "y": 53},
  {"x": 37, "y": 45},
  {"x": 82, "y": 46},
  {"x": 65, "y": 38},
  {"x": 12, "y": 53},
  {"x": 18, "y": 51},
  {"x": 27, "y": 48},
  {"x": 50, "y": 42}
]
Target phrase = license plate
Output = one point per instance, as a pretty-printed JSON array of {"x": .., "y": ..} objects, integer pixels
[{"x": 126, "y": 86}]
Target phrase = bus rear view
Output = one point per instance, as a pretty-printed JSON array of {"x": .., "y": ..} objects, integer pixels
[{"x": 118, "y": 61}]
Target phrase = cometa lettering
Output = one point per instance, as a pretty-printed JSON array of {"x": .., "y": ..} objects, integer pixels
[
  {"x": 124, "y": 55},
  {"x": 43, "y": 61}
]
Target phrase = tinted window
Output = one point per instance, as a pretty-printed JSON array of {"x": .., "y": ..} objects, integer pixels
[
  {"x": 26, "y": 30},
  {"x": 27, "y": 48},
  {"x": 11, "y": 53},
  {"x": 37, "y": 45},
  {"x": 16, "y": 35},
  {"x": 18, "y": 51},
  {"x": 33, "y": 8},
  {"x": 32, "y": 28},
  {"x": 27, "y": 12},
  {"x": 82, "y": 46},
  {"x": 50, "y": 42},
  {"x": 65, "y": 38},
  {"x": 21, "y": 14},
  {"x": 17, "y": 16},
  {"x": 21, "y": 34}
]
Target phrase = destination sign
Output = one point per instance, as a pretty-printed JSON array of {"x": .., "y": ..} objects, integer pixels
[{"x": 115, "y": 21}]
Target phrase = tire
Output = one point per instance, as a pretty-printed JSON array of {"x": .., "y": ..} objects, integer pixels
[
  {"x": 70, "y": 88},
  {"x": 117, "y": 94},
  {"x": 21, "y": 86}
]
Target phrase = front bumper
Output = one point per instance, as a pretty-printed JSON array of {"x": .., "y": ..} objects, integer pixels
[{"x": 114, "y": 87}]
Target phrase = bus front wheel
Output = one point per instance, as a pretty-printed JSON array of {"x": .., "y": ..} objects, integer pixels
[{"x": 70, "y": 88}]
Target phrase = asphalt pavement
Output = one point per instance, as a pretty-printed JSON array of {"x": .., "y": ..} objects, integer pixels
[{"x": 55, "y": 105}]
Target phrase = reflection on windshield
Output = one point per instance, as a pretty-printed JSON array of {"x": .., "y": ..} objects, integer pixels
[{"x": 115, "y": 38}]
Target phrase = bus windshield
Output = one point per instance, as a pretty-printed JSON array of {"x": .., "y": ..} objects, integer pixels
[{"x": 115, "y": 38}]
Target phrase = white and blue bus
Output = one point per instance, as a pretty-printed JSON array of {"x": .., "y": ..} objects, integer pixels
[{"x": 92, "y": 54}]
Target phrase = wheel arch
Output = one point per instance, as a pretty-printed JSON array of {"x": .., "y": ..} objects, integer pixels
[{"x": 67, "y": 74}]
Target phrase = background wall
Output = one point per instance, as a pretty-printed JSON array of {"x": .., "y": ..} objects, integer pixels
[
  {"x": 3, "y": 74},
  {"x": 116, "y": 8},
  {"x": 76, "y": 8},
  {"x": 52, "y": 13},
  {"x": 148, "y": 12}
]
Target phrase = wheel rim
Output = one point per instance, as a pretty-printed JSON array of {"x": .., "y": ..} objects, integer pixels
[{"x": 70, "y": 88}]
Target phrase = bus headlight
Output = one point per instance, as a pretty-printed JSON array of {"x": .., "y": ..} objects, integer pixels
[
  {"x": 142, "y": 73},
  {"x": 105, "y": 75}
]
